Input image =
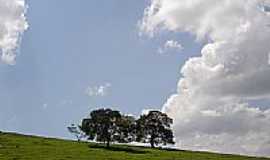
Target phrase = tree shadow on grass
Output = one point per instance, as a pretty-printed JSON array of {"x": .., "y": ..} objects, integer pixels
[
  {"x": 126, "y": 149},
  {"x": 169, "y": 149}
]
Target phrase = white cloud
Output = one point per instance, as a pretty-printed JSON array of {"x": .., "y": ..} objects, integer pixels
[
  {"x": 98, "y": 91},
  {"x": 210, "y": 109},
  {"x": 12, "y": 25},
  {"x": 146, "y": 111},
  {"x": 170, "y": 45}
]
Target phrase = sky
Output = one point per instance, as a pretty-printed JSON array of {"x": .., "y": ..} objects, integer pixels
[
  {"x": 71, "y": 47},
  {"x": 205, "y": 64}
]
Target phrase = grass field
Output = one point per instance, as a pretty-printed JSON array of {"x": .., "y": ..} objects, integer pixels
[{"x": 20, "y": 147}]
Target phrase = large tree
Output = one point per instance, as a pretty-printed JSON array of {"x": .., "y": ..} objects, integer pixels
[
  {"x": 102, "y": 125},
  {"x": 155, "y": 128},
  {"x": 127, "y": 132}
]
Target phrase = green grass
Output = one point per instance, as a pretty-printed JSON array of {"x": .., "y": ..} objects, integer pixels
[{"x": 20, "y": 147}]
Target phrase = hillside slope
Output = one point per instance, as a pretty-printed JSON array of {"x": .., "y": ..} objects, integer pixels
[{"x": 20, "y": 147}]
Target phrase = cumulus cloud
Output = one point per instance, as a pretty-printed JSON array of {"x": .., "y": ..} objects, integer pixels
[
  {"x": 170, "y": 45},
  {"x": 98, "y": 91},
  {"x": 12, "y": 25},
  {"x": 211, "y": 109}
]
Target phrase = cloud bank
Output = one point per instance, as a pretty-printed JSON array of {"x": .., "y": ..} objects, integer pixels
[
  {"x": 12, "y": 25},
  {"x": 211, "y": 109}
]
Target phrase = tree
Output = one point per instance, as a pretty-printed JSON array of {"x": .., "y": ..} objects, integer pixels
[
  {"x": 102, "y": 125},
  {"x": 155, "y": 128},
  {"x": 75, "y": 130},
  {"x": 127, "y": 132}
]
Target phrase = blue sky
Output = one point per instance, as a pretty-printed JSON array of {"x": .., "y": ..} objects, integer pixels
[{"x": 72, "y": 45}]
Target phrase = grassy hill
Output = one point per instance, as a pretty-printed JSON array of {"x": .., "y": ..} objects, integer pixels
[{"x": 20, "y": 147}]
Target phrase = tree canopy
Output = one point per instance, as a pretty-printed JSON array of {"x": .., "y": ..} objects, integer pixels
[
  {"x": 102, "y": 125},
  {"x": 107, "y": 125},
  {"x": 155, "y": 128}
]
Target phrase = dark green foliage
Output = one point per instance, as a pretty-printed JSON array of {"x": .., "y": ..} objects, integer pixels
[
  {"x": 155, "y": 128},
  {"x": 126, "y": 127},
  {"x": 106, "y": 125}
]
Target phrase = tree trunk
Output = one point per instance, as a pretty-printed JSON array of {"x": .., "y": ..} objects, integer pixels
[
  {"x": 78, "y": 138},
  {"x": 152, "y": 142},
  {"x": 108, "y": 144},
  {"x": 108, "y": 141}
]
